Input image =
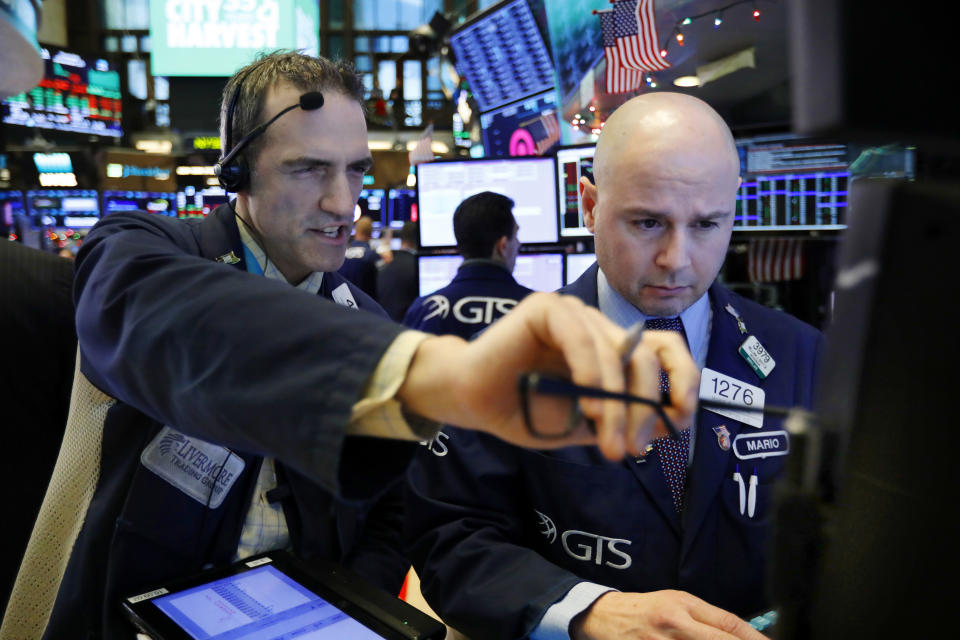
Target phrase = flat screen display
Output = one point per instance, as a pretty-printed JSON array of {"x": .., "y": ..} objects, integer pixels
[
  {"x": 401, "y": 207},
  {"x": 198, "y": 203},
  {"x": 573, "y": 163},
  {"x": 436, "y": 272},
  {"x": 63, "y": 208},
  {"x": 539, "y": 271},
  {"x": 76, "y": 94},
  {"x": 525, "y": 128},
  {"x": 372, "y": 203},
  {"x": 225, "y": 36},
  {"x": 503, "y": 56},
  {"x": 260, "y": 603},
  {"x": 530, "y": 182},
  {"x": 162, "y": 203},
  {"x": 577, "y": 263},
  {"x": 13, "y": 199}
]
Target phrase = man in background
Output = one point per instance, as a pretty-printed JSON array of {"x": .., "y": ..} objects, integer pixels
[
  {"x": 397, "y": 285},
  {"x": 360, "y": 263},
  {"x": 484, "y": 288}
]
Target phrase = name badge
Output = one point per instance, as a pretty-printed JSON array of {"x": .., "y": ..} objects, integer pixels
[
  {"x": 204, "y": 471},
  {"x": 723, "y": 388},
  {"x": 757, "y": 357},
  {"x": 342, "y": 296},
  {"x": 765, "y": 444}
]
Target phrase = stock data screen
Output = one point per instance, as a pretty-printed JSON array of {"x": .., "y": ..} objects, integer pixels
[
  {"x": 75, "y": 94},
  {"x": 161, "y": 203},
  {"x": 573, "y": 163},
  {"x": 503, "y": 56},
  {"x": 63, "y": 208}
]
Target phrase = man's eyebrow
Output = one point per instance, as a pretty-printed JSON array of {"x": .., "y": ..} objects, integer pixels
[
  {"x": 364, "y": 164},
  {"x": 656, "y": 215}
]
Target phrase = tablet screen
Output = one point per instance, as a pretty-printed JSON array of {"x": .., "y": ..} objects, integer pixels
[{"x": 260, "y": 604}]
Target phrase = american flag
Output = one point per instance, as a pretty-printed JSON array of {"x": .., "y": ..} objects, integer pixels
[
  {"x": 423, "y": 152},
  {"x": 775, "y": 259},
  {"x": 620, "y": 79},
  {"x": 635, "y": 28},
  {"x": 551, "y": 125}
]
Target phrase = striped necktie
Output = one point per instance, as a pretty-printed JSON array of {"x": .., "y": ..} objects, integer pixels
[{"x": 673, "y": 453}]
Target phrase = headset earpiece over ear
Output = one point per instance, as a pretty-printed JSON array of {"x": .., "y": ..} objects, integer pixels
[{"x": 231, "y": 170}]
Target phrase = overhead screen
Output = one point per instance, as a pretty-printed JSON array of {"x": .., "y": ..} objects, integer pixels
[
  {"x": 792, "y": 183},
  {"x": 76, "y": 94},
  {"x": 162, "y": 203},
  {"x": 503, "y": 55},
  {"x": 216, "y": 38},
  {"x": 441, "y": 186}
]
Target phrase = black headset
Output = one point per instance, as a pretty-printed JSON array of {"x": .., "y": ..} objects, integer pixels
[{"x": 232, "y": 171}]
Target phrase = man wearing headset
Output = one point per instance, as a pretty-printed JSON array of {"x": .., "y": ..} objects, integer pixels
[{"x": 224, "y": 395}]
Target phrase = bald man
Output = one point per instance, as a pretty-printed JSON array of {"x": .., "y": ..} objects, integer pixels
[{"x": 672, "y": 543}]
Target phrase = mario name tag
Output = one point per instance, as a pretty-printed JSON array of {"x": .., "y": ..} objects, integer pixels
[
  {"x": 202, "y": 470},
  {"x": 761, "y": 445},
  {"x": 342, "y": 296},
  {"x": 722, "y": 388}
]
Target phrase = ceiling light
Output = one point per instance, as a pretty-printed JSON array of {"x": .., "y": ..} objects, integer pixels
[{"x": 687, "y": 81}]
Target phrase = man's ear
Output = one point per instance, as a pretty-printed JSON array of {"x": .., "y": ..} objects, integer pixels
[
  {"x": 588, "y": 202},
  {"x": 500, "y": 248}
]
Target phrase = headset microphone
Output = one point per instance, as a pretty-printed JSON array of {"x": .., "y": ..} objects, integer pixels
[{"x": 232, "y": 172}]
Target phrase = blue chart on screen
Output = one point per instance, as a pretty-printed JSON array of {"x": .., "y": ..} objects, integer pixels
[
  {"x": 503, "y": 56},
  {"x": 262, "y": 604}
]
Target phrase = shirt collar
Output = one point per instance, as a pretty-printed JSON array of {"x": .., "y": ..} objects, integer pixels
[
  {"x": 259, "y": 263},
  {"x": 696, "y": 318}
]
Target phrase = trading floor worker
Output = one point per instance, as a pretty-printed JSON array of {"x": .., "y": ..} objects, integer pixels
[{"x": 669, "y": 543}]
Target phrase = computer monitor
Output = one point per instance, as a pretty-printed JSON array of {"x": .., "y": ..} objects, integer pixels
[
  {"x": 502, "y": 54},
  {"x": 63, "y": 208},
  {"x": 161, "y": 203},
  {"x": 372, "y": 204},
  {"x": 76, "y": 94},
  {"x": 198, "y": 203},
  {"x": 577, "y": 263},
  {"x": 529, "y": 181},
  {"x": 401, "y": 207},
  {"x": 573, "y": 163},
  {"x": 436, "y": 272},
  {"x": 539, "y": 271},
  {"x": 15, "y": 199},
  {"x": 881, "y": 463},
  {"x": 793, "y": 183}
]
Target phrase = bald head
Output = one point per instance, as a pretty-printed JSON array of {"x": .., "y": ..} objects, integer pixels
[
  {"x": 666, "y": 174},
  {"x": 650, "y": 126}
]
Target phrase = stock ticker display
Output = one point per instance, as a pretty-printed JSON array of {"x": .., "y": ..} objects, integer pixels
[{"x": 75, "y": 94}]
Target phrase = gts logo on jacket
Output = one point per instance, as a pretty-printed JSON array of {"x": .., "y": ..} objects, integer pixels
[
  {"x": 469, "y": 310},
  {"x": 586, "y": 547}
]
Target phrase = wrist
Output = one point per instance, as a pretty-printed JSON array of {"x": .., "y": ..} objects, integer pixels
[{"x": 433, "y": 387}]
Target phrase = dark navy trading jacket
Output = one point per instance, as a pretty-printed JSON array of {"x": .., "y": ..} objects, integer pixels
[
  {"x": 360, "y": 266},
  {"x": 480, "y": 293},
  {"x": 498, "y": 533},
  {"x": 158, "y": 322}
]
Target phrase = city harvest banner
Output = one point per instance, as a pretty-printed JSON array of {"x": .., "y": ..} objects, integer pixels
[{"x": 216, "y": 37}]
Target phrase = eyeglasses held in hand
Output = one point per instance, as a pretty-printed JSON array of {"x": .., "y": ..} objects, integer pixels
[{"x": 531, "y": 384}]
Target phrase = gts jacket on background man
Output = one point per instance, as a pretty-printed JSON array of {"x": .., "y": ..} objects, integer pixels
[
  {"x": 482, "y": 292},
  {"x": 498, "y": 534},
  {"x": 153, "y": 334}
]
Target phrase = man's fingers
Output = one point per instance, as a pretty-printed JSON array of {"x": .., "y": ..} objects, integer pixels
[
  {"x": 712, "y": 618},
  {"x": 674, "y": 356}
]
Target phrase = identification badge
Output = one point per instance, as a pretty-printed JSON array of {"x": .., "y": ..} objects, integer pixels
[
  {"x": 757, "y": 357},
  {"x": 202, "y": 470},
  {"x": 723, "y": 388},
  {"x": 342, "y": 296},
  {"x": 765, "y": 444}
]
